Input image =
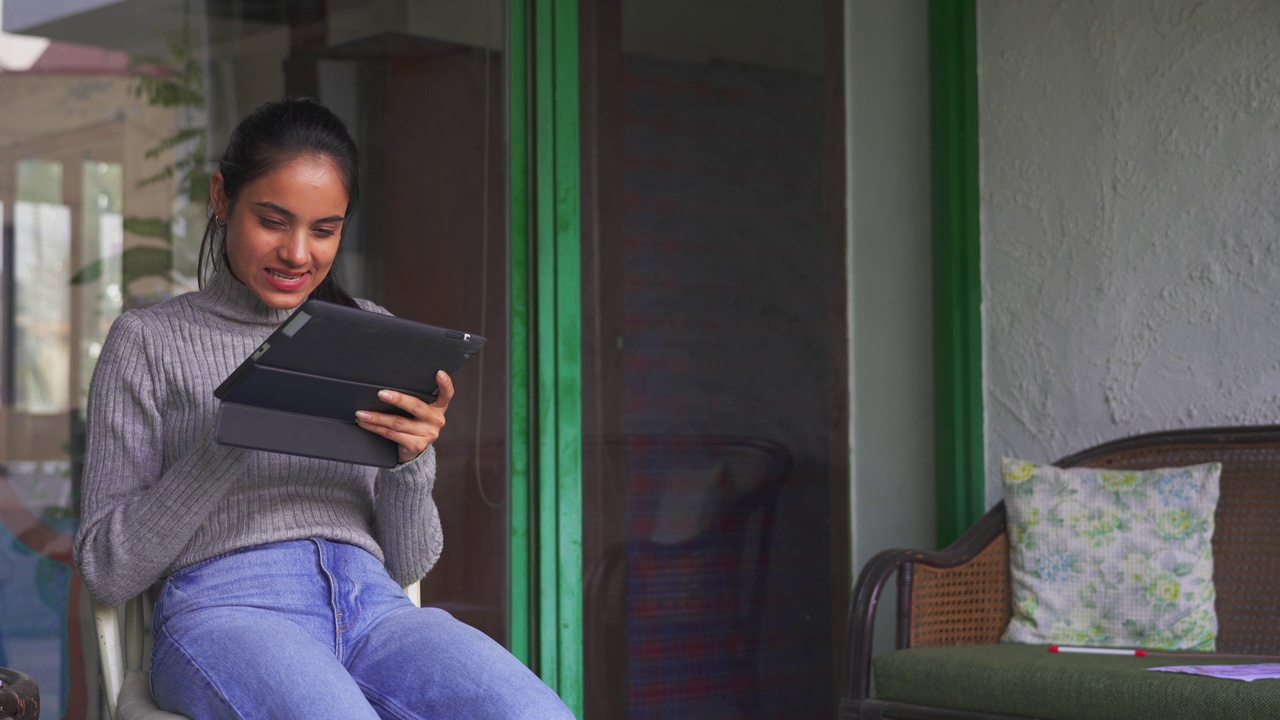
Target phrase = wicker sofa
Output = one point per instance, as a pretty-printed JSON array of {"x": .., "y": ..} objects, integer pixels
[{"x": 954, "y": 604}]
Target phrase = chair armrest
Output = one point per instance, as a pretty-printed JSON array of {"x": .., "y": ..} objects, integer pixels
[
  {"x": 955, "y": 596},
  {"x": 414, "y": 591},
  {"x": 122, "y": 644},
  {"x": 106, "y": 621}
]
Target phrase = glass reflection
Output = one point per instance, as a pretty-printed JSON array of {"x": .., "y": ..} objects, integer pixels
[
  {"x": 42, "y": 238},
  {"x": 714, "y": 344},
  {"x": 109, "y": 112}
]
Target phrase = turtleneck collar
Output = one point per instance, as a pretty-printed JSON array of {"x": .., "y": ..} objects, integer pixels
[{"x": 227, "y": 297}]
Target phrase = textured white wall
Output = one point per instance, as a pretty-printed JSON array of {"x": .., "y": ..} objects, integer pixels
[{"x": 1130, "y": 156}]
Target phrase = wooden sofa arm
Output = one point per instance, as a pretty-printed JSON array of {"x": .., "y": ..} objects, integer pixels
[{"x": 955, "y": 596}]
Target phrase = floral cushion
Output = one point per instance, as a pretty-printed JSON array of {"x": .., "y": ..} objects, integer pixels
[{"x": 1111, "y": 557}]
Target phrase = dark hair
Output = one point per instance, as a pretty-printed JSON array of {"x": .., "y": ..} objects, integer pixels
[{"x": 274, "y": 134}]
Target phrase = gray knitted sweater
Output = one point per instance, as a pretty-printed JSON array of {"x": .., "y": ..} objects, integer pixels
[{"x": 159, "y": 494}]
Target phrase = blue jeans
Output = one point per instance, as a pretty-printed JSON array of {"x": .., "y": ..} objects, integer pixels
[{"x": 312, "y": 628}]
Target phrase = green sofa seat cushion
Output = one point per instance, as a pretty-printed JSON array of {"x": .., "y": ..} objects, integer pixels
[{"x": 1029, "y": 681}]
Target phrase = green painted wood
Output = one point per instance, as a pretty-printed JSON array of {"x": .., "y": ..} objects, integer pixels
[
  {"x": 544, "y": 190},
  {"x": 957, "y": 272},
  {"x": 557, "y": 355},
  {"x": 521, "y": 596},
  {"x": 568, "y": 203}
]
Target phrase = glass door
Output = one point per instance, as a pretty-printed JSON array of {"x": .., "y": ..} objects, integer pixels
[
  {"x": 714, "y": 358},
  {"x": 113, "y": 115},
  {"x": 644, "y": 478}
]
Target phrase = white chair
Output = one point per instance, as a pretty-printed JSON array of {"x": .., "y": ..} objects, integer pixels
[{"x": 124, "y": 651}]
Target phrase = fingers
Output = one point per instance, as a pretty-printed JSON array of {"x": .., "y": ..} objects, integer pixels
[
  {"x": 388, "y": 424},
  {"x": 412, "y": 434},
  {"x": 409, "y": 445},
  {"x": 419, "y": 408},
  {"x": 445, "y": 385}
]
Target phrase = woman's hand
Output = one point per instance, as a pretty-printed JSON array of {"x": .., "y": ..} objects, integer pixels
[{"x": 412, "y": 434}]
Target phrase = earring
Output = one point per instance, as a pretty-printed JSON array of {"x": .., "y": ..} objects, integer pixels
[{"x": 217, "y": 220}]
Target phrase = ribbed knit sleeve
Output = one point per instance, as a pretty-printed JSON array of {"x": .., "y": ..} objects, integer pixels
[
  {"x": 136, "y": 518},
  {"x": 408, "y": 523}
]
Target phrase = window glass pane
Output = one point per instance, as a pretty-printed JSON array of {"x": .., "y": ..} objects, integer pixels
[
  {"x": 102, "y": 206},
  {"x": 42, "y": 255},
  {"x": 112, "y": 115},
  {"x": 715, "y": 346}
]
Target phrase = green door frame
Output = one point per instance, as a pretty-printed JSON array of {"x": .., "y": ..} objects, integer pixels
[
  {"x": 546, "y": 346},
  {"x": 957, "y": 269}
]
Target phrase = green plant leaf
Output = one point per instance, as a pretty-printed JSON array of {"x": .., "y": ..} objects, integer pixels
[
  {"x": 143, "y": 262},
  {"x": 198, "y": 186},
  {"x": 158, "y": 177},
  {"x": 87, "y": 274},
  {"x": 149, "y": 227},
  {"x": 173, "y": 141}
]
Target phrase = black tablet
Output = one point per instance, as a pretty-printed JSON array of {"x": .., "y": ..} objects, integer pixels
[{"x": 299, "y": 391}]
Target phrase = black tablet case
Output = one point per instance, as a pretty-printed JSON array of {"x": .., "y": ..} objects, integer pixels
[{"x": 299, "y": 391}]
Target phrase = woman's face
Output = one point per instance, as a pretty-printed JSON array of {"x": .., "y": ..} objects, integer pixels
[{"x": 283, "y": 229}]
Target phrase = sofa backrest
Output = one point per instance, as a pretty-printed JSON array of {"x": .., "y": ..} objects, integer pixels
[{"x": 1246, "y": 538}]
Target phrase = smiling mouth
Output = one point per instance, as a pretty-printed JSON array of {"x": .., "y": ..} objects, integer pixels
[{"x": 284, "y": 277}]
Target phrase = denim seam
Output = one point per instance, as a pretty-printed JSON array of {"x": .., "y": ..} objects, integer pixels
[
  {"x": 322, "y": 556},
  {"x": 186, "y": 656},
  {"x": 170, "y": 592},
  {"x": 386, "y": 706}
]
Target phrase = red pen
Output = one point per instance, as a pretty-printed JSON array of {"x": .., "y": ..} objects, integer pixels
[{"x": 1096, "y": 651}]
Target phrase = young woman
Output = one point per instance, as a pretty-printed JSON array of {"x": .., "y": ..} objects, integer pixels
[{"x": 280, "y": 576}]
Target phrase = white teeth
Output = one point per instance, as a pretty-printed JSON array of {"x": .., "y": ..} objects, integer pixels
[{"x": 282, "y": 276}]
